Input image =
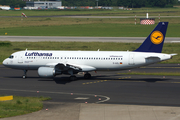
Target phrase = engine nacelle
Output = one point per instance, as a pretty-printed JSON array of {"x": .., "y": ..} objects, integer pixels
[{"x": 46, "y": 72}]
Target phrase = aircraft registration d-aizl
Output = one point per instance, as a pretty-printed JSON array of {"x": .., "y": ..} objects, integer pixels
[{"x": 52, "y": 63}]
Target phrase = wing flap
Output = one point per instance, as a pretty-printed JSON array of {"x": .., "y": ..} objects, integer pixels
[{"x": 82, "y": 68}]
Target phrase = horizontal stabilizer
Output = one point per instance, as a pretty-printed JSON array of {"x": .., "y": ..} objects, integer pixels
[
  {"x": 173, "y": 54},
  {"x": 153, "y": 57}
]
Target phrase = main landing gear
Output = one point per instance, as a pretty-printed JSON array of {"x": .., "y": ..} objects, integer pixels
[
  {"x": 86, "y": 76},
  {"x": 24, "y": 76}
]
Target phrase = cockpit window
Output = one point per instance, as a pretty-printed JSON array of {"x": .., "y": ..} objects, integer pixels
[{"x": 11, "y": 57}]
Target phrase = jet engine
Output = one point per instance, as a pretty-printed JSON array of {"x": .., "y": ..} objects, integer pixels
[{"x": 46, "y": 72}]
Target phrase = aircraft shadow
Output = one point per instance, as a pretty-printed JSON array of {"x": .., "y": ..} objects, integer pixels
[
  {"x": 148, "y": 79},
  {"x": 60, "y": 80},
  {"x": 65, "y": 80},
  {"x": 129, "y": 78}
]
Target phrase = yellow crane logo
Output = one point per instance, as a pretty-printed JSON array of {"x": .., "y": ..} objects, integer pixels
[{"x": 157, "y": 37}]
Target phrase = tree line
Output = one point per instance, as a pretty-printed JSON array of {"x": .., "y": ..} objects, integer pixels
[
  {"x": 125, "y": 3},
  {"x": 13, "y": 3}
]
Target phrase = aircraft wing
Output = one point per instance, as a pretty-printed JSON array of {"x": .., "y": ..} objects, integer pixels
[
  {"x": 83, "y": 68},
  {"x": 75, "y": 67}
]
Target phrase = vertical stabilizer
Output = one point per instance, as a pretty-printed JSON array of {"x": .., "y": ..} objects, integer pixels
[{"x": 154, "y": 42}]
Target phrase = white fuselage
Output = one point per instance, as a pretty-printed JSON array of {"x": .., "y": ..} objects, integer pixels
[{"x": 100, "y": 60}]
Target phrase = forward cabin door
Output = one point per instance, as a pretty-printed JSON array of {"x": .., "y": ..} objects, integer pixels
[
  {"x": 20, "y": 58},
  {"x": 131, "y": 59}
]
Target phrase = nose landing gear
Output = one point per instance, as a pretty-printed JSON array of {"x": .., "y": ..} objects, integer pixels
[{"x": 24, "y": 76}]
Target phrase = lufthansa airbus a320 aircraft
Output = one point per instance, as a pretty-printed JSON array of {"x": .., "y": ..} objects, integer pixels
[{"x": 52, "y": 63}]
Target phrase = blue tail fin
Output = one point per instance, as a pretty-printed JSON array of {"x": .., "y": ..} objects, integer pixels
[{"x": 154, "y": 42}]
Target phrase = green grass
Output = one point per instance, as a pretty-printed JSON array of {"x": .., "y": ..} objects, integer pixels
[
  {"x": 21, "y": 105},
  {"x": 100, "y": 30},
  {"x": 9, "y": 47}
]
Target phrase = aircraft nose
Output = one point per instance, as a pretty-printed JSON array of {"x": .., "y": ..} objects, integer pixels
[{"x": 5, "y": 62}]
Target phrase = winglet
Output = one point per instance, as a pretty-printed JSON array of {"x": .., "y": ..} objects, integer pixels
[{"x": 154, "y": 42}]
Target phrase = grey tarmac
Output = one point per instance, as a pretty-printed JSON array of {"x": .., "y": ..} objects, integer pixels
[
  {"x": 82, "y": 111},
  {"x": 107, "y": 96}
]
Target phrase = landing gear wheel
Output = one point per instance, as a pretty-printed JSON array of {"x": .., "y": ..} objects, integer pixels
[
  {"x": 24, "y": 77},
  {"x": 72, "y": 77},
  {"x": 87, "y": 76}
]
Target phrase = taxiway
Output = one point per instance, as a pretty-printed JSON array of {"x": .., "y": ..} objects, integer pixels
[
  {"x": 81, "y": 39},
  {"x": 104, "y": 87},
  {"x": 107, "y": 96}
]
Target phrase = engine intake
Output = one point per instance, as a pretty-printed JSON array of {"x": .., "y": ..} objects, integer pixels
[{"x": 46, "y": 72}]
